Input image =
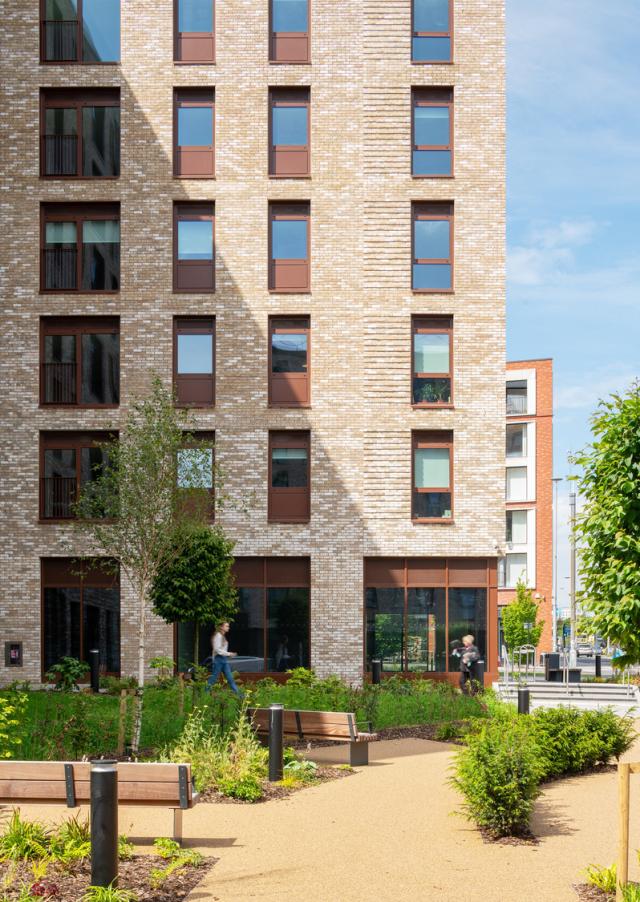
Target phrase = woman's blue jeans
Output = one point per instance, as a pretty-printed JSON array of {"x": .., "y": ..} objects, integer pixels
[{"x": 221, "y": 665}]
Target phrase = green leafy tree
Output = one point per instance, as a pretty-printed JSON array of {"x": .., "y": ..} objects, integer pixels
[
  {"x": 139, "y": 508},
  {"x": 608, "y": 529},
  {"x": 198, "y": 584},
  {"x": 519, "y": 613}
]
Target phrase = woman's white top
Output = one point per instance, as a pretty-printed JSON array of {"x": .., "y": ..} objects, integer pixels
[{"x": 220, "y": 645}]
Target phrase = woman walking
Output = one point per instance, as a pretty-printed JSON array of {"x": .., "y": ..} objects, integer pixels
[{"x": 221, "y": 655}]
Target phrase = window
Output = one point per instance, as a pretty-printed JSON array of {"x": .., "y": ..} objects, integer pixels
[
  {"x": 516, "y": 397},
  {"x": 289, "y": 493},
  {"x": 68, "y": 460},
  {"x": 517, "y": 484},
  {"x": 289, "y": 243},
  {"x": 289, "y": 380},
  {"x": 517, "y": 527},
  {"x": 514, "y": 569},
  {"x": 194, "y": 133},
  {"x": 196, "y": 473},
  {"x": 433, "y": 247},
  {"x": 80, "y": 31},
  {"x": 194, "y": 31},
  {"x": 516, "y": 440},
  {"x": 194, "y": 361},
  {"x": 432, "y": 31},
  {"x": 289, "y": 132},
  {"x": 271, "y": 627},
  {"x": 80, "y": 611},
  {"x": 432, "y": 361},
  {"x": 80, "y": 361},
  {"x": 80, "y": 247},
  {"x": 80, "y": 133},
  {"x": 432, "y": 476},
  {"x": 432, "y": 153},
  {"x": 193, "y": 241},
  {"x": 289, "y": 31}
]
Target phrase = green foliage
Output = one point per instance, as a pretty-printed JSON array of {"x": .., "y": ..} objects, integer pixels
[
  {"x": 298, "y": 769},
  {"x": 115, "y": 685},
  {"x": 602, "y": 878},
  {"x": 631, "y": 892},
  {"x": 572, "y": 741},
  {"x": 608, "y": 530},
  {"x": 71, "y": 841},
  {"x": 12, "y": 710},
  {"x": 447, "y": 732},
  {"x": 498, "y": 773},
  {"x": 523, "y": 609},
  {"x": 125, "y": 848},
  {"x": 108, "y": 894},
  {"x": 67, "y": 673},
  {"x": 24, "y": 840},
  {"x": 177, "y": 857},
  {"x": 163, "y": 665}
]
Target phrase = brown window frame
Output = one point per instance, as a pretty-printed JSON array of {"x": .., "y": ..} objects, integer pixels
[
  {"x": 289, "y": 211},
  {"x": 202, "y": 211},
  {"x": 77, "y": 60},
  {"x": 433, "y": 34},
  {"x": 432, "y": 325},
  {"x": 288, "y": 439},
  {"x": 439, "y": 97},
  {"x": 194, "y": 98},
  {"x": 78, "y": 98},
  {"x": 205, "y": 440},
  {"x": 77, "y": 326},
  {"x": 66, "y": 441},
  {"x": 289, "y": 325},
  {"x": 278, "y": 40},
  {"x": 421, "y": 439},
  {"x": 77, "y": 213},
  {"x": 280, "y": 97},
  {"x": 194, "y": 325},
  {"x": 184, "y": 40},
  {"x": 433, "y": 212}
]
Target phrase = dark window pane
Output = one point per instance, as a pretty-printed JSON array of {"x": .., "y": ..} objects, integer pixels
[
  {"x": 101, "y": 255},
  {"x": 61, "y": 30},
  {"x": 101, "y": 31},
  {"x": 467, "y": 616},
  {"x": 427, "y": 630},
  {"x": 101, "y": 369},
  {"x": 431, "y": 239},
  {"x": 61, "y": 141},
  {"x": 431, "y": 49},
  {"x": 385, "y": 627},
  {"x": 60, "y": 463},
  {"x": 431, "y": 15},
  {"x": 195, "y": 15},
  {"x": 92, "y": 462},
  {"x": 517, "y": 396},
  {"x": 288, "y": 628},
  {"x": 194, "y": 646},
  {"x": 290, "y": 15},
  {"x": 288, "y": 353},
  {"x": 101, "y": 619},
  {"x": 60, "y": 349},
  {"x": 195, "y": 126},
  {"x": 289, "y": 468},
  {"x": 432, "y": 276},
  {"x": 60, "y": 256},
  {"x": 61, "y": 121},
  {"x": 59, "y": 483},
  {"x": 432, "y": 162},
  {"x": 431, "y": 391},
  {"x": 59, "y": 370},
  {"x": 290, "y": 126},
  {"x": 61, "y": 10},
  {"x": 101, "y": 141},
  {"x": 195, "y": 354},
  {"x": 432, "y": 505},
  {"x": 289, "y": 239},
  {"x": 61, "y": 627},
  {"x": 516, "y": 443},
  {"x": 247, "y": 632}
]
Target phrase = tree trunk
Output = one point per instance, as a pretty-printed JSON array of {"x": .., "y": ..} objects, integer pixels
[{"x": 138, "y": 699}]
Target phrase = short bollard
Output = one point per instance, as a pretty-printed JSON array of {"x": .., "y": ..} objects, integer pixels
[
  {"x": 478, "y": 676},
  {"x": 376, "y": 671},
  {"x": 104, "y": 823},
  {"x": 598, "y": 665},
  {"x": 523, "y": 701},
  {"x": 276, "y": 742},
  {"x": 94, "y": 664}
]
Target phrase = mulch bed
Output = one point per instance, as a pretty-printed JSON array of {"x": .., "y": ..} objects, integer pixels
[
  {"x": 420, "y": 731},
  {"x": 526, "y": 838},
  {"x": 71, "y": 883},
  {"x": 276, "y": 790},
  {"x": 588, "y": 893}
]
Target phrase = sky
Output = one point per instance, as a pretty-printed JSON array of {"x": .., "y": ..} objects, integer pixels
[{"x": 573, "y": 206}]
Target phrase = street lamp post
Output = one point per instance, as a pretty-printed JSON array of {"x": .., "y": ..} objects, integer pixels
[
  {"x": 573, "y": 653},
  {"x": 554, "y": 599}
]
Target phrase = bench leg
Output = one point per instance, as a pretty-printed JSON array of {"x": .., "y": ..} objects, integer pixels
[
  {"x": 358, "y": 754},
  {"x": 177, "y": 825}
]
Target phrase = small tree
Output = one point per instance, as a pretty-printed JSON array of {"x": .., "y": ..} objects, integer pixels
[
  {"x": 139, "y": 507},
  {"x": 608, "y": 530},
  {"x": 198, "y": 584},
  {"x": 517, "y": 615}
]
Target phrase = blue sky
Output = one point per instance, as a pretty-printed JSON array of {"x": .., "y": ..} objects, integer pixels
[{"x": 573, "y": 82}]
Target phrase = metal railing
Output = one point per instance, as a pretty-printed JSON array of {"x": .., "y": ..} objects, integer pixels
[
  {"x": 60, "y": 268},
  {"x": 60, "y": 154},
  {"x": 60, "y": 40},
  {"x": 58, "y": 494},
  {"x": 516, "y": 404},
  {"x": 59, "y": 383}
]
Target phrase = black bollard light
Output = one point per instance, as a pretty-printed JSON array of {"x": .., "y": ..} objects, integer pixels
[
  {"x": 598, "y": 665},
  {"x": 376, "y": 671},
  {"x": 94, "y": 664},
  {"x": 276, "y": 742},
  {"x": 104, "y": 823},
  {"x": 478, "y": 675},
  {"x": 523, "y": 701}
]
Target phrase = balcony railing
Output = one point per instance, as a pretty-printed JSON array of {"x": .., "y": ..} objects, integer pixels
[
  {"x": 516, "y": 404},
  {"x": 59, "y": 383},
  {"x": 60, "y": 154},
  {"x": 58, "y": 494},
  {"x": 60, "y": 40},
  {"x": 61, "y": 268}
]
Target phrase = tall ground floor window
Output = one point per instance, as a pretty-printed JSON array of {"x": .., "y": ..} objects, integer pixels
[
  {"x": 270, "y": 632},
  {"x": 416, "y": 607},
  {"x": 80, "y": 611}
]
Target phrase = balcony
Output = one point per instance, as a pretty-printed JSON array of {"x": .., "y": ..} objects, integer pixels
[
  {"x": 58, "y": 494},
  {"x": 59, "y": 383}
]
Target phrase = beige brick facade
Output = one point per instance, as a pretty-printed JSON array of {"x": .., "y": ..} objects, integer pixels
[{"x": 360, "y": 192}]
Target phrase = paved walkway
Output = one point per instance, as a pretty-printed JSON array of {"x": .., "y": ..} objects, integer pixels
[{"x": 386, "y": 834}]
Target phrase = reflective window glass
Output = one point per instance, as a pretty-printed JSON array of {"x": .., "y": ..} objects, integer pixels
[
  {"x": 289, "y": 468},
  {"x": 101, "y": 368},
  {"x": 431, "y": 352},
  {"x": 426, "y": 630},
  {"x": 287, "y": 629},
  {"x": 289, "y": 239},
  {"x": 195, "y": 15},
  {"x": 516, "y": 483},
  {"x": 431, "y": 162},
  {"x": 60, "y": 233},
  {"x": 101, "y": 30},
  {"x": 431, "y": 125},
  {"x": 60, "y": 349},
  {"x": 101, "y": 622},
  {"x": 288, "y": 353},
  {"x": 516, "y": 440},
  {"x": 195, "y": 354},
  {"x": 432, "y": 276},
  {"x": 61, "y": 625},
  {"x": 195, "y": 126},
  {"x": 431, "y": 15},
  {"x": 432, "y": 468},
  {"x": 248, "y": 631},
  {"x": 431, "y": 239},
  {"x": 195, "y": 239},
  {"x": 467, "y": 617},
  {"x": 61, "y": 121},
  {"x": 60, "y": 463},
  {"x": 289, "y": 125},
  {"x": 385, "y": 627},
  {"x": 101, "y": 141},
  {"x": 515, "y": 570},
  {"x": 431, "y": 49},
  {"x": 290, "y": 15},
  {"x": 517, "y": 527},
  {"x": 195, "y": 468}
]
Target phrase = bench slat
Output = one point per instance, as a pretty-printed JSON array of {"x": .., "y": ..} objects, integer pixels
[
  {"x": 55, "y": 789},
  {"x": 334, "y": 725},
  {"x": 128, "y": 772}
]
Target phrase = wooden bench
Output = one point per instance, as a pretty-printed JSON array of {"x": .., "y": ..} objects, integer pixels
[
  {"x": 336, "y": 726},
  {"x": 68, "y": 782}
]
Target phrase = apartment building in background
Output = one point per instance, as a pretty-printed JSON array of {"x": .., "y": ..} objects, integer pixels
[
  {"x": 529, "y": 487},
  {"x": 294, "y": 213}
]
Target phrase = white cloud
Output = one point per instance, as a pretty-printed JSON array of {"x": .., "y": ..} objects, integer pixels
[
  {"x": 549, "y": 251},
  {"x": 596, "y": 387}
]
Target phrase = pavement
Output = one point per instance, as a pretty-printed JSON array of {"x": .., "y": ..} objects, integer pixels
[{"x": 389, "y": 832}]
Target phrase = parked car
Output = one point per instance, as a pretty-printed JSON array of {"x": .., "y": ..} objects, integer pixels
[{"x": 584, "y": 649}]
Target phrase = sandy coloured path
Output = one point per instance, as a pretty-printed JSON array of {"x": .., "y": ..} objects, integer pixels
[{"x": 386, "y": 834}]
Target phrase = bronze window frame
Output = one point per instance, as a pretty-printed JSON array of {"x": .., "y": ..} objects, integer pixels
[
  {"x": 277, "y": 37},
  {"x": 77, "y": 60},
  {"x": 289, "y": 211},
  {"x": 432, "y": 97},
  {"x": 52, "y": 440},
  {"x": 282, "y": 97},
  {"x": 194, "y": 98},
  {"x": 288, "y": 439},
  {"x": 78, "y": 98},
  {"x": 180, "y": 38},
  {"x": 194, "y": 325},
  {"x": 76, "y": 326},
  {"x": 289, "y": 325},
  {"x": 77, "y": 213},
  {"x": 420, "y": 440},
  {"x": 432, "y": 325},
  {"x": 203, "y": 440},
  {"x": 198, "y": 211},
  {"x": 433, "y": 34},
  {"x": 440, "y": 211}
]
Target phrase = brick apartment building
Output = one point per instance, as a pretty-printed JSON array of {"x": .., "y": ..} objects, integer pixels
[
  {"x": 261, "y": 203},
  {"x": 529, "y": 487}
]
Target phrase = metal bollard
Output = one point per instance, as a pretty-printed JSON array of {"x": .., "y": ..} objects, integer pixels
[
  {"x": 376, "y": 671},
  {"x": 104, "y": 823},
  {"x": 523, "y": 701},
  {"x": 598, "y": 665},
  {"x": 276, "y": 742},
  {"x": 478, "y": 675},
  {"x": 94, "y": 664}
]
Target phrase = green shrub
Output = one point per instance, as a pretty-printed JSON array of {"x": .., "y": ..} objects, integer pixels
[
  {"x": 615, "y": 734},
  {"x": 115, "y": 685},
  {"x": 246, "y": 787},
  {"x": 602, "y": 878},
  {"x": 67, "y": 673},
  {"x": 573, "y": 741},
  {"x": 108, "y": 894},
  {"x": 631, "y": 892},
  {"x": 71, "y": 841},
  {"x": 12, "y": 711},
  {"x": 448, "y": 731},
  {"x": 498, "y": 773},
  {"x": 24, "y": 840}
]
